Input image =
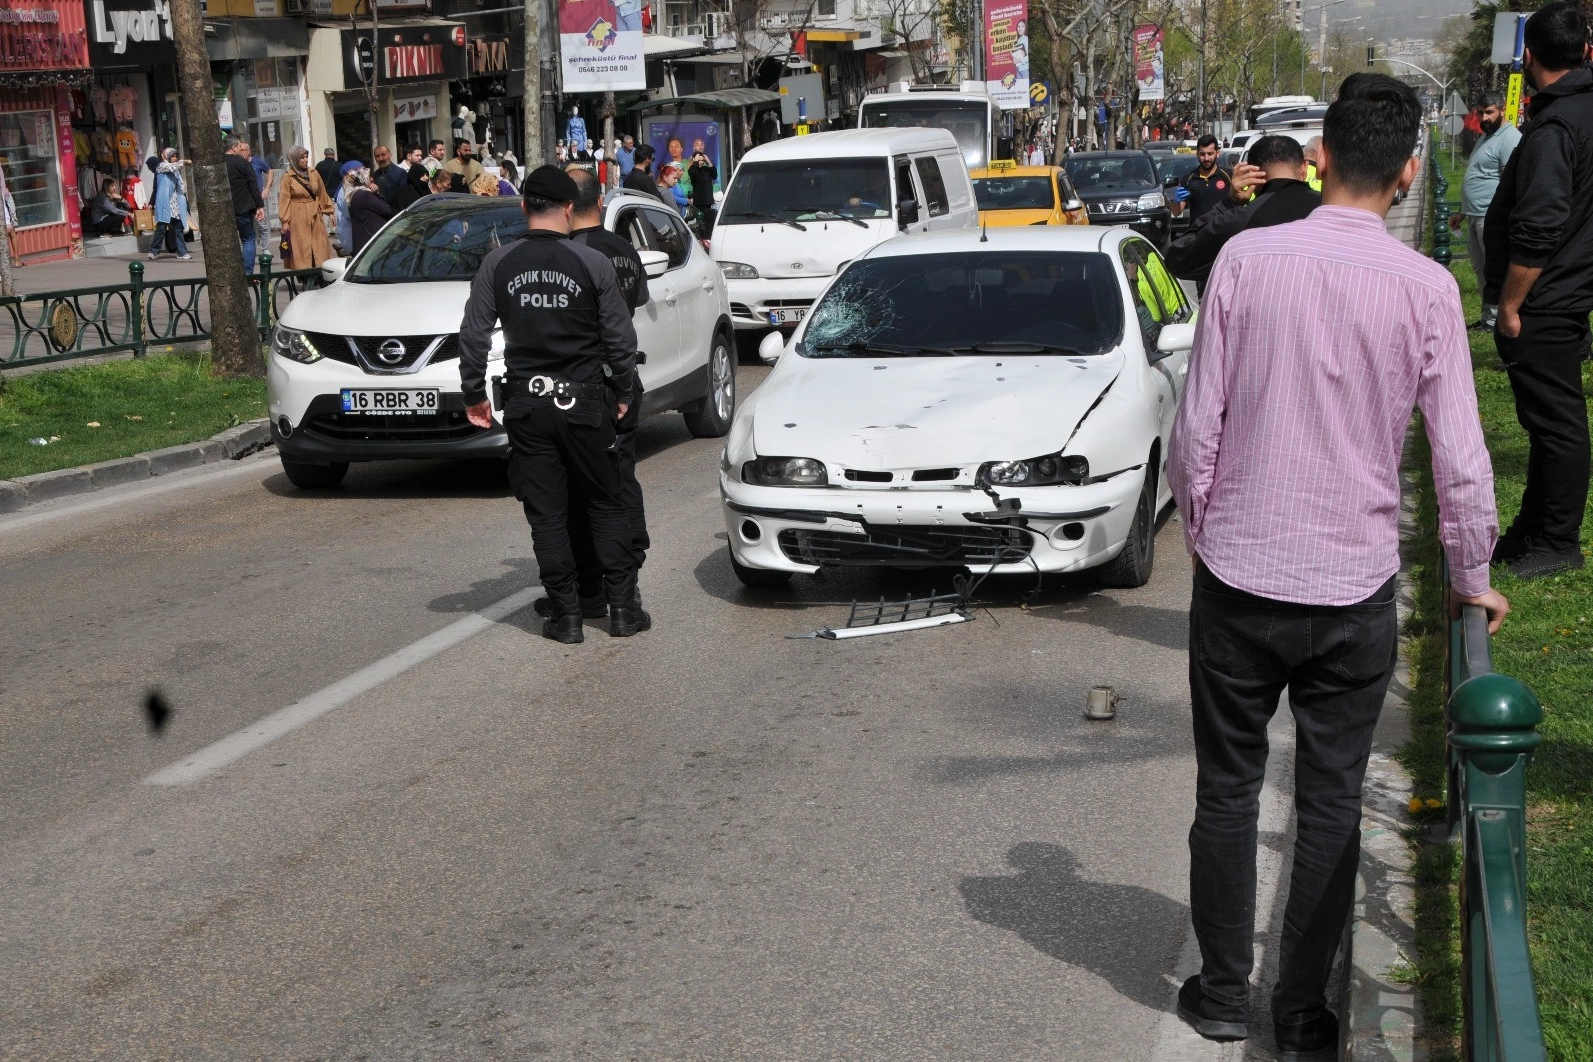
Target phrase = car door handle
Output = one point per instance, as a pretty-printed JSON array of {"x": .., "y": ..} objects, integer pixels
[
  {"x": 670, "y": 297},
  {"x": 708, "y": 285}
]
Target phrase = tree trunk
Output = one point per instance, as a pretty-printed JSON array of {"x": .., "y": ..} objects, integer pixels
[
  {"x": 234, "y": 341},
  {"x": 536, "y": 151},
  {"x": 608, "y": 136}
]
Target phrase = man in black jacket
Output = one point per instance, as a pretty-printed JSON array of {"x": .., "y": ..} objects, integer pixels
[
  {"x": 570, "y": 356},
  {"x": 1539, "y": 259},
  {"x": 247, "y": 205},
  {"x": 640, "y": 179},
  {"x": 1277, "y": 171}
]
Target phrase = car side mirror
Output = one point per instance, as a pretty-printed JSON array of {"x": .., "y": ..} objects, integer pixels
[
  {"x": 1170, "y": 181},
  {"x": 654, "y": 263},
  {"x": 1072, "y": 205},
  {"x": 907, "y": 213},
  {"x": 1174, "y": 339},
  {"x": 332, "y": 269},
  {"x": 771, "y": 347}
]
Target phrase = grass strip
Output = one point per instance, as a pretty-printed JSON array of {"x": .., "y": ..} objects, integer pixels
[
  {"x": 1547, "y": 642},
  {"x": 91, "y": 413}
]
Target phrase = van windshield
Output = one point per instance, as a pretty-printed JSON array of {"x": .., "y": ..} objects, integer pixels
[
  {"x": 808, "y": 190},
  {"x": 967, "y": 120}
]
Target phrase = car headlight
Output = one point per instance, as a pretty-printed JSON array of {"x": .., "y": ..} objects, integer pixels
[
  {"x": 1047, "y": 471},
  {"x": 785, "y": 472},
  {"x": 294, "y": 345},
  {"x": 1152, "y": 201},
  {"x": 738, "y": 271}
]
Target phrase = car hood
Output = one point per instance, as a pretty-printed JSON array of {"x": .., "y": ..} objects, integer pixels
[
  {"x": 926, "y": 412},
  {"x": 1126, "y": 191},
  {"x": 380, "y": 309},
  {"x": 998, "y": 219},
  {"x": 779, "y": 251}
]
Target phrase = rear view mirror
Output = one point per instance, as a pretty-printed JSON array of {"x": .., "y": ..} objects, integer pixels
[
  {"x": 654, "y": 263},
  {"x": 1175, "y": 339},
  {"x": 332, "y": 269},
  {"x": 771, "y": 347},
  {"x": 1170, "y": 181},
  {"x": 907, "y": 213},
  {"x": 1072, "y": 205}
]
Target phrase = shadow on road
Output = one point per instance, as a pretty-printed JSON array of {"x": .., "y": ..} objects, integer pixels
[
  {"x": 520, "y": 573},
  {"x": 1092, "y": 925},
  {"x": 409, "y": 479}
]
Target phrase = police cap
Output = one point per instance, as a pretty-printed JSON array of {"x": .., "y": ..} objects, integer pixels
[{"x": 549, "y": 183}]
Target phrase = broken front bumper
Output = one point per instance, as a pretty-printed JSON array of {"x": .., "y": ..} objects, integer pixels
[{"x": 1049, "y": 529}]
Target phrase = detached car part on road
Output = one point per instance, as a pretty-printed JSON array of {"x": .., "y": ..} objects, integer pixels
[
  {"x": 366, "y": 368},
  {"x": 1000, "y": 403}
]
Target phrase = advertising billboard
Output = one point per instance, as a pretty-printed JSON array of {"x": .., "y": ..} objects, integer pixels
[
  {"x": 1148, "y": 68},
  {"x": 600, "y": 45},
  {"x": 1007, "y": 53}
]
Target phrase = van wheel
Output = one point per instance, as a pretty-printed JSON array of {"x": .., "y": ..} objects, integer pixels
[
  {"x": 709, "y": 417},
  {"x": 314, "y": 477},
  {"x": 1132, "y": 567},
  {"x": 757, "y": 578}
]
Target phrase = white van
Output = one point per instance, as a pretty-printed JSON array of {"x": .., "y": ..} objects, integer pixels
[{"x": 799, "y": 210}]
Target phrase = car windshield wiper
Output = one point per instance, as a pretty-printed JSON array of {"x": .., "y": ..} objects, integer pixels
[
  {"x": 767, "y": 217},
  {"x": 825, "y": 215},
  {"x": 859, "y": 347},
  {"x": 1023, "y": 348}
]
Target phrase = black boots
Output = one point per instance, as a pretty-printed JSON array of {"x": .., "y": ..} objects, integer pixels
[
  {"x": 565, "y": 628},
  {"x": 628, "y": 619},
  {"x": 591, "y": 608}
]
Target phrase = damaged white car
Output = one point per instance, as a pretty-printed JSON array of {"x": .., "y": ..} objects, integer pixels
[{"x": 1001, "y": 402}]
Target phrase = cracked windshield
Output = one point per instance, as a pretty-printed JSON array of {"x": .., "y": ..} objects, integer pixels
[
  {"x": 803, "y": 190},
  {"x": 987, "y": 303}
]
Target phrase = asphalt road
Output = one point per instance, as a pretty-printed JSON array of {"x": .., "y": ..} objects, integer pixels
[{"x": 708, "y": 841}]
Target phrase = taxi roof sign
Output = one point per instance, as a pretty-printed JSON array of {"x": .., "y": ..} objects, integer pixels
[{"x": 1002, "y": 164}]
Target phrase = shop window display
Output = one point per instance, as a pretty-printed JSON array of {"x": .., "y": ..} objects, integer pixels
[{"x": 32, "y": 172}]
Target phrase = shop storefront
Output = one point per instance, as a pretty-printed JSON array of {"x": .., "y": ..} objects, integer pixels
[
  {"x": 129, "y": 109},
  {"x": 261, "y": 62},
  {"x": 44, "y": 56}
]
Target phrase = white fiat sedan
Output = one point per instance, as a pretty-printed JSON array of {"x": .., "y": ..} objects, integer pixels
[
  {"x": 1001, "y": 402},
  {"x": 367, "y": 368}
]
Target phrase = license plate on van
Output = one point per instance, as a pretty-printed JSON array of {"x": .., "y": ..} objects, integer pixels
[
  {"x": 390, "y": 401},
  {"x": 785, "y": 317}
]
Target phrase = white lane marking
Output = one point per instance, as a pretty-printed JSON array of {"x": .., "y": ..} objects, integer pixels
[
  {"x": 239, "y": 744},
  {"x": 121, "y": 495}
]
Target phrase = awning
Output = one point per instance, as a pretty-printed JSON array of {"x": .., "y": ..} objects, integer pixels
[
  {"x": 831, "y": 36},
  {"x": 717, "y": 59},
  {"x": 658, "y": 46},
  {"x": 723, "y": 99}
]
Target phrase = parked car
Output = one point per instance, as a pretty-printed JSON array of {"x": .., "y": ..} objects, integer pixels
[
  {"x": 798, "y": 210},
  {"x": 998, "y": 400},
  {"x": 1122, "y": 188},
  {"x": 366, "y": 368},
  {"x": 1173, "y": 169},
  {"x": 1010, "y": 194}
]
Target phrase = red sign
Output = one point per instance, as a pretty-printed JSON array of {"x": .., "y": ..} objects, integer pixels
[
  {"x": 42, "y": 35},
  {"x": 68, "y": 157}
]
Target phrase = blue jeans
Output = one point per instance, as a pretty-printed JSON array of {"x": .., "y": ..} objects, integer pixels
[
  {"x": 246, "y": 233},
  {"x": 172, "y": 233},
  {"x": 1335, "y": 662}
]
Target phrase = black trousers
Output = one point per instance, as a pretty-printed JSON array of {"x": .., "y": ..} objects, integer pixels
[
  {"x": 1545, "y": 366},
  {"x": 1335, "y": 663},
  {"x": 589, "y": 569},
  {"x": 555, "y": 454}
]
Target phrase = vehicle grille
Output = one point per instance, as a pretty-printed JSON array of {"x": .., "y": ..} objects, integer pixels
[
  {"x": 1115, "y": 206},
  {"x": 787, "y": 304},
  {"x": 326, "y": 418},
  {"x": 910, "y": 547},
  {"x": 339, "y": 348},
  {"x": 741, "y": 309},
  {"x": 935, "y": 475},
  {"x": 858, "y": 475}
]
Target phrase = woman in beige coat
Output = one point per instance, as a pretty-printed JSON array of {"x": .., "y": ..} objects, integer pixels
[{"x": 302, "y": 206}]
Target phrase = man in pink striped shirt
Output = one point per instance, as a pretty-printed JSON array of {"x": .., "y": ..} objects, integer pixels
[{"x": 1316, "y": 340}]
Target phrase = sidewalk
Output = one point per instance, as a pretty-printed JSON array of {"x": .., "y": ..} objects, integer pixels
[{"x": 99, "y": 272}]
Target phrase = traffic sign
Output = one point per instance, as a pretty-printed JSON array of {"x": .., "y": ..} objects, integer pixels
[
  {"x": 1507, "y": 36},
  {"x": 1039, "y": 93},
  {"x": 1455, "y": 104},
  {"x": 1513, "y": 98},
  {"x": 1454, "y": 123}
]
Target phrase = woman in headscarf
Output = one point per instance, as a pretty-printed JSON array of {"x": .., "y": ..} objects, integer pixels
[
  {"x": 367, "y": 210},
  {"x": 303, "y": 206},
  {"x": 170, "y": 201}
]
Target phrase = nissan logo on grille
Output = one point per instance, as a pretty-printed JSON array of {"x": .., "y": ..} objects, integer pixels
[{"x": 391, "y": 352}]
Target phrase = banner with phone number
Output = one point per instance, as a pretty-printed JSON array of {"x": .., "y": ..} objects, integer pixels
[
  {"x": 1007, "y": 53},
  {"x": 1148, "y": 67},
  {"x": 600, "y": 45}
]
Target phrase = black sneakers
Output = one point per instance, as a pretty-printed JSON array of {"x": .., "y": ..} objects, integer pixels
[
  {"x": 1211, "y": 1019},
  {"x": 1316, "y": 1039},
  {"x": 1539, "y": 560},
  {"x": 1511, "y": 546}
]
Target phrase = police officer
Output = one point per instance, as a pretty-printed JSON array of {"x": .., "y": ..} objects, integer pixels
[
  {"x": 570, "y": 355},
  {"x": 587, "y": 228}
]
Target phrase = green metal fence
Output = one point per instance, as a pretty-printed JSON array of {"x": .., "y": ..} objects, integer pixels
[
  {"x": 80, "y": 322},
  {"x": 1493, "y": 723}
]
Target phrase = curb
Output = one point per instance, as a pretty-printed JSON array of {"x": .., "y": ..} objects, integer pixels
[{"x": 230, "y": 445}]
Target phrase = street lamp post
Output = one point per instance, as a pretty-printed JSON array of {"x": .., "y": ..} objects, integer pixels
[
  {"x": 1443, "y": 94},
  {"x": 1305, "y": 46}
]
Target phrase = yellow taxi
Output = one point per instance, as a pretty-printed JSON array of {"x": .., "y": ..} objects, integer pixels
[{"x": 1010, "y": 194}]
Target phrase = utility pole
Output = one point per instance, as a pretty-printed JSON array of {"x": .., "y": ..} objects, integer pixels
[
  {"x": 1200, "y": 120},
  {"x": 536, "y": 151},
  {"x": 234, "y": 343}
]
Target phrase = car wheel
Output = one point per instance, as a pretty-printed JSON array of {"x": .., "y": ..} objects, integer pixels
[
  {"x": 757, "y": 578},
  {"x": 1132, "y": 567},
  {"x": 314, "y": 477},
  {"x": 709, "y": 417}
]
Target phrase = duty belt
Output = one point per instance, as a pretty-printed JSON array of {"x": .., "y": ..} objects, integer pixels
[{"x": 564, "y": 393}]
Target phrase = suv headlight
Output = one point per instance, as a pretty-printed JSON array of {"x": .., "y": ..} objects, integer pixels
[
  {"x": 785, "y": 472},
  {"x": 1047, "y": 471},
  {"x": 1152, "y": 201},
  {"x": 294, "y": 345},
  {"x": 738, "y": 271}
]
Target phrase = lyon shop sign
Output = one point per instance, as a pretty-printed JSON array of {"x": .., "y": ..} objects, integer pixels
[{"x": 130, "y": 33}]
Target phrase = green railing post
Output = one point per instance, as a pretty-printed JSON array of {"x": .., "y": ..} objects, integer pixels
[
  {"x": 135, "y": 277},
  {"x": 1440, "y": 216},
  {"x": 265, "y": 294},
  {"x": 1493, "y": 728}
]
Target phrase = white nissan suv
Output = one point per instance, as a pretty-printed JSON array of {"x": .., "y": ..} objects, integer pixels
[{"x": 366, "y": 368}]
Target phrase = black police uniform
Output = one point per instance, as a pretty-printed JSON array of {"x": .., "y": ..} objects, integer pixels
[
  {"x": 589, "y": 572},
  {"x": 569, "y": 351}
]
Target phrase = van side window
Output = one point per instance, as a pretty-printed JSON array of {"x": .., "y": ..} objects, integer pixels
[
  {"x": 934, "y": 186},
  {"x": 904, "y": 181}
]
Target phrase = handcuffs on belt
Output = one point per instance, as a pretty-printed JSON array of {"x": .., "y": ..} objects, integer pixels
[{"x": 538, "y": 386}]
